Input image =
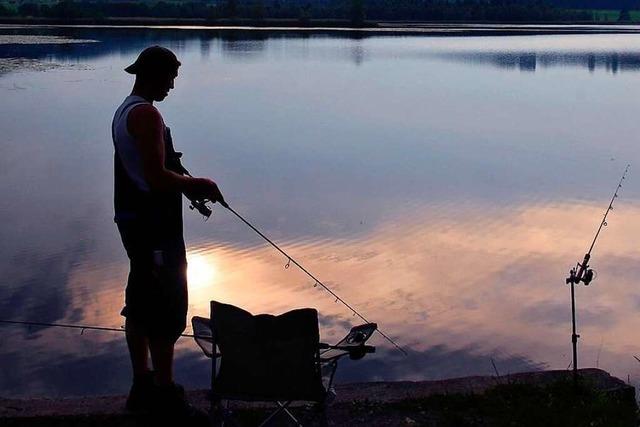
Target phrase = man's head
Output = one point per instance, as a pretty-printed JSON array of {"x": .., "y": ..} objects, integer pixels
[{"x": 155, "y": 69}]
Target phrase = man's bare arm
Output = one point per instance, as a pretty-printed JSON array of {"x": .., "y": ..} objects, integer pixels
[{"x": 145, "y": 125}]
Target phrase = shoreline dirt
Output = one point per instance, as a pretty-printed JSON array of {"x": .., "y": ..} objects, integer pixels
[{"x": 370, "y": 404}]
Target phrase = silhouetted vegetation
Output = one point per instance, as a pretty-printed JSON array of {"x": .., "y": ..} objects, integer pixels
[
  {"x": 356, "y": 11},
  {"x": 6, "y": 10},
  {"x": 624, "y": 16},
  {"x": 68, "y": 9},
  {"x": 558, "y": 404},
  {"x": 469, "y": 10},
  {"x": 597, "y": 4}
]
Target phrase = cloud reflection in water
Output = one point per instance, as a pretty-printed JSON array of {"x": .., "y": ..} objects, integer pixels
[
  {"x": 456, "y": 285},
  {"x": 456, "y": 293}
]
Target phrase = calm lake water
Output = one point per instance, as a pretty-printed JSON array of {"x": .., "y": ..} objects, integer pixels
[{"x": 444, "y": 186}]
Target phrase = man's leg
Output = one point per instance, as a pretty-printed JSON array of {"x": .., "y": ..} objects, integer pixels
[
  {"x": 138, "y": 344},
  {"x": 162, "y": 358},
  {"x": 138, "y": 348},
  {"x": 172, "y": 316}
]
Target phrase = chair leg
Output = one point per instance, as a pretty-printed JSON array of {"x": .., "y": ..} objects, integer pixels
[{"x": 282, "y": 407}]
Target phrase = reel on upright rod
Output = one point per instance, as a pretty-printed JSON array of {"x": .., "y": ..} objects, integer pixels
[{"x": 581, "y": 272}]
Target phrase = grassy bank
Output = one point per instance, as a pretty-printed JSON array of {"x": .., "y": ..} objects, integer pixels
[
  {"x": 610, "y": 16},
  {"x": 534, "y": 399},
  {"x": 559, "y": 404}
]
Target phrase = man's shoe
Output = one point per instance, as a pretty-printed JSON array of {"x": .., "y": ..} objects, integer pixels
[
  {"x": 170, "y": 402},
  {"x": 142, "y": 393}
]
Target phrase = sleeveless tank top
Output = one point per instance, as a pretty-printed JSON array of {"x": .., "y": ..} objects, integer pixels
[
  {"x": 156, "y": 214},
  {"x": 125, "y": 144}
]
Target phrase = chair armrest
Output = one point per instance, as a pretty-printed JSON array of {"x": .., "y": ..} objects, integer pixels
[
  {"x": 350, "y": 348},
  {"x": 369, "y": 349},
  {"x": 354, "y": 352}
]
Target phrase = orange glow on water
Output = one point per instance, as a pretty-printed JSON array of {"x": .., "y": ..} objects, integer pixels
[{"x": 202, "y": 272}]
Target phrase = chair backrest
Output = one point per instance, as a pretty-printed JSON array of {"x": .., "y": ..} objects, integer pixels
[
  {"x": 203, "y": 335},
  {"x": 266, "y": 357}
]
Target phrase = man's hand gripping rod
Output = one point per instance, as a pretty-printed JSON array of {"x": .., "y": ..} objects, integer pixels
[{"x": 201, "y": 206}]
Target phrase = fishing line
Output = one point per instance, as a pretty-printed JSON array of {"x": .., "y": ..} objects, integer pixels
[
  {"x": 201, "y": 206},
  {"x": 317, "y": 282}
]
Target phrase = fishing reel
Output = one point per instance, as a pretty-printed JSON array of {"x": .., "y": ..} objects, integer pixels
[
  {"x": 581, "y": 273},
  {"x": 201, "y": 206},
  {"x": 206, "y": 211}
]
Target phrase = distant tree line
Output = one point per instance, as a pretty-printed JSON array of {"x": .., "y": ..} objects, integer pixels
[
  {"x": 470, "y": 10},
  {"x": 69, "y": 9},
  {"x": 357, "y": 11}
]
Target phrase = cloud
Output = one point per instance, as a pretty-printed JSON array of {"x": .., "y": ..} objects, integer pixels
[
  {"x": 552, "y": 313},
  {"x": 437, "y": 362}
]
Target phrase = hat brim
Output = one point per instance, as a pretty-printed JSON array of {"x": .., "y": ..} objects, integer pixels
[{"x": 132, "y": 69}]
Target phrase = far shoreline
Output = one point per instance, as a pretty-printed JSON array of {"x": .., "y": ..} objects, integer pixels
[{"x": 441, "y": 28}]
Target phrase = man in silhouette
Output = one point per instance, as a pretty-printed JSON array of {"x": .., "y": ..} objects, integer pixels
[{"x": 149, "y": 183}]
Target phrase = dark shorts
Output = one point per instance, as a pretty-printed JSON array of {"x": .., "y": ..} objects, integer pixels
[{"x": 156, "y": 296}]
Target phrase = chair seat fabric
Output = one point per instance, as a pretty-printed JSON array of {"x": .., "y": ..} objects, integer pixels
[{"x": 266, "y": 357}]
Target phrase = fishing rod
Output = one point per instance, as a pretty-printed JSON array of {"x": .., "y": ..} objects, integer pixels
[
  {"x": 582, "y": 273},
  {"x": 201, "y": 206},
  {"x": 83, "y": 327}
]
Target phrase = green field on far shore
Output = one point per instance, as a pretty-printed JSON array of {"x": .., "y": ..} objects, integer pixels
[{"x": 613, "y": 15}]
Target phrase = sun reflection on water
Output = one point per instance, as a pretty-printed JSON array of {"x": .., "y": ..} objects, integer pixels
[{"x": 202, "y": 272}]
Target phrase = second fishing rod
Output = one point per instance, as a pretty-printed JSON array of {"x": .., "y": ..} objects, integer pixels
[
  {"x": 202, "y": 207},
  {"x": 583, "y": 273}
]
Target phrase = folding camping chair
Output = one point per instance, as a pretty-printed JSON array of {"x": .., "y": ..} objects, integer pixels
[{"x": 277, "y": 359}]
